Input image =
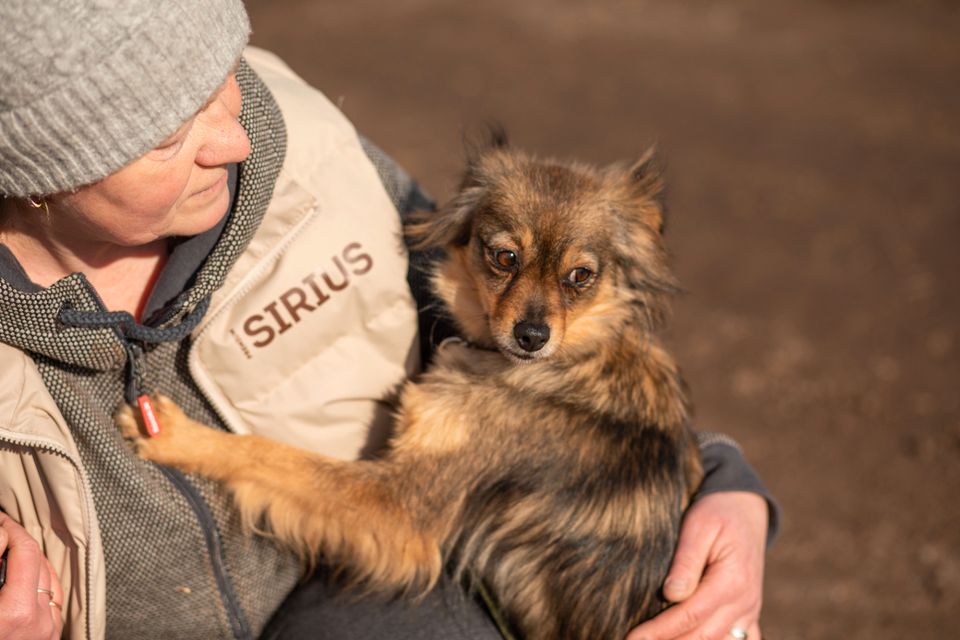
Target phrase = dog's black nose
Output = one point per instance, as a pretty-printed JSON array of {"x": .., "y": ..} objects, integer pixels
[{"x": 531, "y": 337}]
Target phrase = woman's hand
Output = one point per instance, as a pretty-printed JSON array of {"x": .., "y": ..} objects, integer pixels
[
  {"x": 717, "y": 572},
  {"x": 25, "y": 609}
]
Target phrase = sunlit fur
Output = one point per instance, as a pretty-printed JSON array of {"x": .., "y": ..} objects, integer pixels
[{"x": 555, "y": 477}]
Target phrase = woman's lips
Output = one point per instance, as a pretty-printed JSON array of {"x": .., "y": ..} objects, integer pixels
[{"x": 214, "y": 187}]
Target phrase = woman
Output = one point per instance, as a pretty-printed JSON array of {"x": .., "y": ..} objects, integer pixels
[{"x": 179, "y": 218}]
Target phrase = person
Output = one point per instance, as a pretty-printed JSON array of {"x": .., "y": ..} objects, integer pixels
[{"x": 180, "y": 213}]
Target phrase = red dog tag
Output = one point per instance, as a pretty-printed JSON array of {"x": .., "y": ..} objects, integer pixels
[{"x": 150, "y": 421}]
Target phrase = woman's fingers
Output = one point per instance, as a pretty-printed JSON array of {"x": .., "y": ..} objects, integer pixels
[
  {"x": 717, "y": 573},
  {"x": 707, "y": 615},
  {"x": 24, "y": 561},
  {"x": 56, "y": 602},
  {"x": 689, "y": 560},
  {"x": 25, "y": 610}
]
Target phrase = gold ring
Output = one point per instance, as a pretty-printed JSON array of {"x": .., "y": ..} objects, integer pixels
[{"x": 46, "y": 591}]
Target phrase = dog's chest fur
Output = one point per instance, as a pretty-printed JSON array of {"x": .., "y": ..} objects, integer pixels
[{"x": 537, "y": 480}]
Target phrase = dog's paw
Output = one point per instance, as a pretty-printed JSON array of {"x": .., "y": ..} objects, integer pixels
[
  {"x": 169, "y": 442},
  {"x": 168, "y": 412},
  {"x": 454, "y": 349},
  {"x": 128, "y": 423}
]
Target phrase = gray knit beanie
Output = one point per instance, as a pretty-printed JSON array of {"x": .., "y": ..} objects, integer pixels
[{"x": 87, "y": 86}]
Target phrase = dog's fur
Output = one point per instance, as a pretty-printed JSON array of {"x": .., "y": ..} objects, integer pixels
[{"x": 553, "y": 474}]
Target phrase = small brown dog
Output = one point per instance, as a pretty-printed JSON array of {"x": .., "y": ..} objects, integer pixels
[{"x": 548, "y": 459}]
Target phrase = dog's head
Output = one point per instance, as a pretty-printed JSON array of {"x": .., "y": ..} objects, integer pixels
[{"x": 546, "y": 258}]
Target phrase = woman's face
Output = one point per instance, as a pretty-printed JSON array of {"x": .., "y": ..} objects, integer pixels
[{"x": 178, "y": 188}]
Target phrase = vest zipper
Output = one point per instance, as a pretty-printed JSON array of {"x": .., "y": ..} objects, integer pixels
[
  {"x": 228, "y": 596},
  {"x": 246, "y": 283},
  {"x": 208, "y": 525},
  {"x": 87, "y": 507}
]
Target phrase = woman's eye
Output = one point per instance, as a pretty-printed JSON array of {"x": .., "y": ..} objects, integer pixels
[
  {"x": 167, "y": 150},
  {"x": 579, "y": 276},
  {"x": 172, "y": 145},
  {"x": 505, "y": 258}
]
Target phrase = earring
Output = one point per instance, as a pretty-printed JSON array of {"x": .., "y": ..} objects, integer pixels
[{"x": 37, "y": 205}]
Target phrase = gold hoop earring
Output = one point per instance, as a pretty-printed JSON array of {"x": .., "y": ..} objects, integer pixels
[{"x": 37, "y": 205}]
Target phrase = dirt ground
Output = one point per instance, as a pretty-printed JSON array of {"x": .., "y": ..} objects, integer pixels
[{"x": 814, "y": 164}]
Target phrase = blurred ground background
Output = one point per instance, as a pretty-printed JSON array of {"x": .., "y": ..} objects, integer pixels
[{"x": 814, "y": 168}]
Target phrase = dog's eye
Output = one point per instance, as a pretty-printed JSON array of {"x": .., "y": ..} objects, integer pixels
[
  {"x": 504, "y": 258},
  {"x": 579, "y": 276}
]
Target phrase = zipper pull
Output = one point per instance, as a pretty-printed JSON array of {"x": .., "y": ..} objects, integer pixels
[{"x": 150, "y": 421}]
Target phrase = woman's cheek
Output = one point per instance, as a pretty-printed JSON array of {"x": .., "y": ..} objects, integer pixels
[{"x": 158, "y": 203}]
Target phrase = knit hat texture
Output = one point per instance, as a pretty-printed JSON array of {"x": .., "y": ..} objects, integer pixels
[{"x": 88, "y": 86}]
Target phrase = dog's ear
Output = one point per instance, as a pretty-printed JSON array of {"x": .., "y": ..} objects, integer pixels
[
  {"x": 643, "y": 257},
  {"x": 451, "y": 224},
  {"x": 497, "y": 136},
  {"x": 647, "y": 189},
  {"x": 492, "y": 138}
]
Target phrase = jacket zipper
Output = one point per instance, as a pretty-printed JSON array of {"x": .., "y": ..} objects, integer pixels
[
  {"x": 88, "y": 509},
  {"x": 215, "y": 550},
  {"x": 201, "y": 510}
]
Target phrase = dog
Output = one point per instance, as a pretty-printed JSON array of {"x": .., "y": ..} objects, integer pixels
[{"x": 546, "y": 458}]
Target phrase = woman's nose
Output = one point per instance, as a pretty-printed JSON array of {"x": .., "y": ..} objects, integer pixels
[{"x": 226, "y": 141}]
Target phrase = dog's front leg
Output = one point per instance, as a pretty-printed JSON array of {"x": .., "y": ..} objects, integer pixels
[{"x": 351, "y": 513}]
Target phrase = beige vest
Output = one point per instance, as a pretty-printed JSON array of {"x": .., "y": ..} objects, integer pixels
[{"x": 312, "y": 329}]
